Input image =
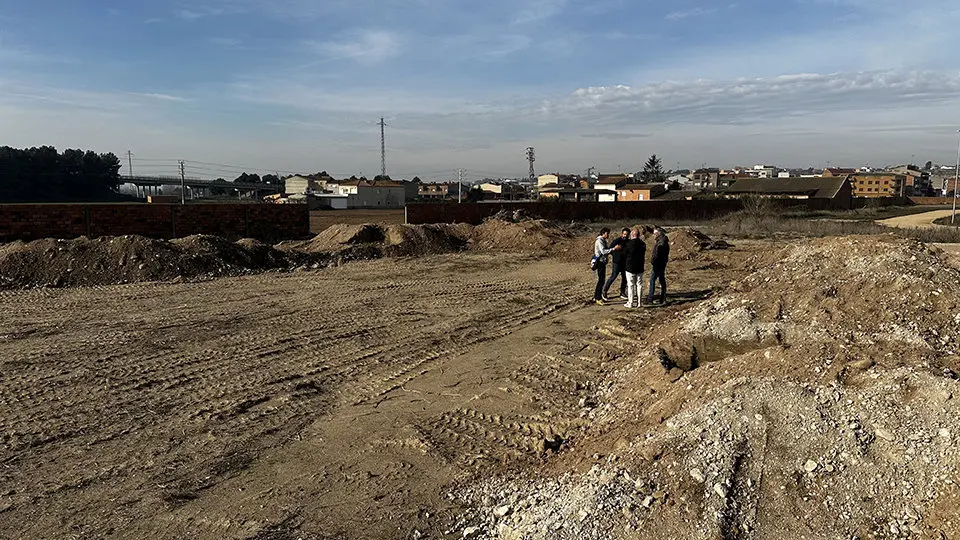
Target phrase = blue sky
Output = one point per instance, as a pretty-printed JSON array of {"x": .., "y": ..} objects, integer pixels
[{"x": 298, "y": 85}]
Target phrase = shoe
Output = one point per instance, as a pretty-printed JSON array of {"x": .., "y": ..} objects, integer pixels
[
  {"x": 629, "y": 305},
  {"x": 605, "y": 298},
  {"x": 599, "y": 302}
]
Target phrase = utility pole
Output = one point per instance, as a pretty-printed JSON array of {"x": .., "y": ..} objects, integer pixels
[
  {"x": 129, "y": 164},
  {"x": 956, "y": 179},
  {"x": 383, "y": 148},
  {"x": 531, "y": 157},
  {"x": 459, "y": 185},
  {"x": 183, "y": 181}
]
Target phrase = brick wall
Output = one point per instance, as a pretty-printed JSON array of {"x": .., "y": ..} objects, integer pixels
[{"x": 263, "y": 221}]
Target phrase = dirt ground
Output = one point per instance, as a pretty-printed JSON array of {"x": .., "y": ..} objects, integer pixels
[
  {"x": 923, "y": 220},
  {"x": 337, "y": 403},
  {"x": 480, "y": 394},
  {"x": 321, "y": 219}
]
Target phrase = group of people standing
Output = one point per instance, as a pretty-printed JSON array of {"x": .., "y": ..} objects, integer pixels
[{"x": 628, "y": 254}]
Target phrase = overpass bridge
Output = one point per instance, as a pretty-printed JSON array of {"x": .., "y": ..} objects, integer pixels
[{"x": 150, "y": 185}]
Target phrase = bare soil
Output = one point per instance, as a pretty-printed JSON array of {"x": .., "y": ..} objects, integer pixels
[{"x": 789, "y": 389}]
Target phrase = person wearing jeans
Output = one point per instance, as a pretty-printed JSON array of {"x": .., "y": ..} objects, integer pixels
[
  {"x": 658, "y": 265},
  {"x": 601, "y": 250},
  {"x": 617, "y": 269},
  {"x": 633, "y": 255}
]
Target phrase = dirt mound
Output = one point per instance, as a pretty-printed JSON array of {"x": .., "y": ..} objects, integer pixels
[
  {"x": 406, "y": 240},
  {"x": 535, "y": 236},
  {"x": 860, "y": 292},
  {"x": 339, "y": 236},
  {"x": 127, "y": 259},
  {"x": 392, "y": 240},
  {"x": 689, "y": 243},
  {"x": 815, "y": 397}
]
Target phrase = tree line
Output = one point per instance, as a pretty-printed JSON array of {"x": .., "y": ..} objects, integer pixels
[{"x": 42, "y": 174}]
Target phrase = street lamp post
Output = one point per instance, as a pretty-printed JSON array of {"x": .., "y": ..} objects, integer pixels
[{"x": 956, "y": 177}]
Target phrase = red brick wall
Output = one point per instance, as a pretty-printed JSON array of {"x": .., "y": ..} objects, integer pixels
[{"x": 263, "y": 221}]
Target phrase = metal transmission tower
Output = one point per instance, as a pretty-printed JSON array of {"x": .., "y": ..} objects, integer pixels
[
  {"x": 383, "y": 147},
  {"x": 531, "y": 157},
  {"x": 129, "y": 164},
  {"x": 183, "y": 188}
]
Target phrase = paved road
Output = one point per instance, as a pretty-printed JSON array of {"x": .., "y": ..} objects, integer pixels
[{"x": 917, "y": 221}]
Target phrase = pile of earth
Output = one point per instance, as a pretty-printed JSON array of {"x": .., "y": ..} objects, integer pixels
[
  {"x": 391, "y": 240},
  {"x": 526, "y": 236},
  {"x": 127, "y": 259},
  {"x": 686, "y": 243},
  {"x": 815, "y": 398},
  {"x": 531, "y": 236}
]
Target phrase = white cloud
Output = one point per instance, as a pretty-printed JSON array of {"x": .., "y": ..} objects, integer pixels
[
  {"x": 686, "y": 14},
  {"x": 162, "y": 97},
  {"x": 751, "y": 101},
  {"x": 366, "y": 46},
  {"x": 532, "y": 11},
  {"x": 194, "y": 14}
]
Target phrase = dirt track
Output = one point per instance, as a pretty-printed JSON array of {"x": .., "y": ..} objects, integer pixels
[{"x": 918, "y": 221}]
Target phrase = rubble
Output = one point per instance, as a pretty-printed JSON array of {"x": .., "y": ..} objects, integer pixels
[{"x": 816, "y": 405}]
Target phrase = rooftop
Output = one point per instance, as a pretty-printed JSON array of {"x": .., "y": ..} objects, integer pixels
[{"x": 818, "y": 188}]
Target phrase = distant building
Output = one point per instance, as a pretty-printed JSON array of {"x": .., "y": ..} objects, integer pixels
[
  {"x": 372, "y": 194},
  {"x": 572, "y": 194},
  {"x": 640, "y": 192},
  {"x": 502, "y": 191},
  {"x": 611, "y": 183},
  {"x": 706, "y": 178},
  {"x": 765, "y": 171},
  {"x": 411, "y": 189},
  {"x": 306, "y": 184},
  {"x": 918, "y": 182},
  {"x": 879, "y": 184},
  {"x": 431, "y": 191},
  {"x": 836, "y": 188},
  {"x": 556, "y": 178},
  {"x": 834, "y": 171}
]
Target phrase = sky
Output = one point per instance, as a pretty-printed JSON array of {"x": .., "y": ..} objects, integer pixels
[{"x": 300, "y": 85}]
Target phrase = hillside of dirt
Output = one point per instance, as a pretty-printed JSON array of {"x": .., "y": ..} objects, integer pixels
[{"x": 813, "y": 398}]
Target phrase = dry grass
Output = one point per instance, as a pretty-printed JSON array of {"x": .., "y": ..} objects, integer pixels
[{"x": 747, "y": 225}]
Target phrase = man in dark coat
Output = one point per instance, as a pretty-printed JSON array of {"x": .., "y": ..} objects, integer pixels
[
  {"x": 617, "y": 269},
  {"x": 658, "y": 264},
  {"x": 633, "y": 257}
]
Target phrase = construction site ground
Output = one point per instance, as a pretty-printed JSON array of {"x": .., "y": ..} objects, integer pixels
[{"x": 481, "y": 394}]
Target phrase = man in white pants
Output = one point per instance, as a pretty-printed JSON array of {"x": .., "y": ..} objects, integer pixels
[{"x": 633, "y": 256}]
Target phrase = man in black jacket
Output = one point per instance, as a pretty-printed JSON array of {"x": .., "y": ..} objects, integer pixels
[
  {"x": 658, "y": 264},
  {"x": 633, "y": 256},
  {"x": 617, "y": 268}
]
